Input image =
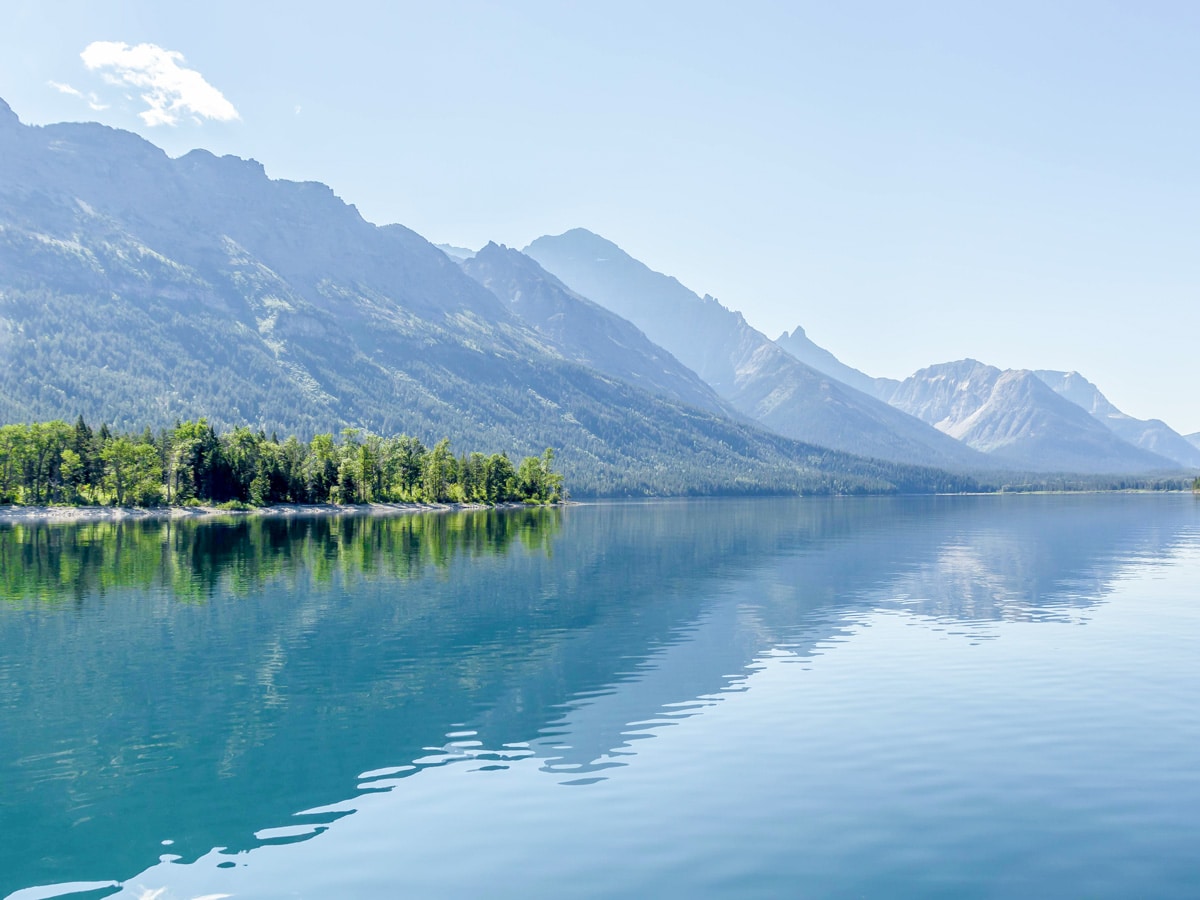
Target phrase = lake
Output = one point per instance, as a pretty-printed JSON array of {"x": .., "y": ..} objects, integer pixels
[{"x": 901, "y": 697}]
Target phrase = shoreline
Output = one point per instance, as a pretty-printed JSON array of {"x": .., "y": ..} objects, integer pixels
[
  {"x": 71, "y": 514},
  {"x": 12, "y": 513}
]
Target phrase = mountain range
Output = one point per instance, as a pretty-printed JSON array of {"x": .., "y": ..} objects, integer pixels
[
  {"x": 1014, "y": 414},
  {"x": 1015, "y": 418},
  {"x": 137, "y": 289},
  {"x": 751, "y": 372},
  {"x": 1149, "y": 434},
  {"x": 808, "y": 393}
]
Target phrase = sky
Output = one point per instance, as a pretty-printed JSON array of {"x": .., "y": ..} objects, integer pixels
[{"x": 912, "y": 183}]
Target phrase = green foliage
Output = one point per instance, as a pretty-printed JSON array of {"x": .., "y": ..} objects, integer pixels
[
  {"x": 536, "y": 481},
  {"x": 192, "y": 464},
  {"x": 132, "y": 473}
]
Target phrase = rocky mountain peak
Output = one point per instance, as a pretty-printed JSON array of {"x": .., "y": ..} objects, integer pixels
[
  {"x": 227, "y": 166},
  {"x": 1014, "y": 414},
  {"x": 580, "y": 242}
]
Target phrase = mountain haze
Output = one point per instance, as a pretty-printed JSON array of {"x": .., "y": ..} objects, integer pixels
[
  {"x": 588, "y": 332},
  {"x": 458, "y": 254},
  {"x": 1015, "y": 415},
  {"x": 1153, "y": 435},
  {"x": 746, "y": 368},
  {"x": 799, "y": 345},
  {"x": 1149, "y": 434}
]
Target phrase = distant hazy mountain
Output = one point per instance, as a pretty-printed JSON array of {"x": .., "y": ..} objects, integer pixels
[
  {"x": 138, "y": 289},
  {"x": 802, "y": 347},
  {"x": 585, "y": 331},
  {"x": 743, "y": 365},
  {"x": 1014, "y": 414},
  {"x": 1193, "y": 438},
  {"x": 1152, "y": 435},
  {"x": 1149, "y": 434},
  {"x": 458, "y": 254}
]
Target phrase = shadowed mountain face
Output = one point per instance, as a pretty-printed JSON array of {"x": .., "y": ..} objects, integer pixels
[
  {"x": 1017, "y": 416},
  {"x": 1149, "y": 434},
  {"x": 138, "y": 289},
  {"x": 588, "y": 332},
  {"x": 240, "y": 673},
  {"x": 743, "y": 366}
]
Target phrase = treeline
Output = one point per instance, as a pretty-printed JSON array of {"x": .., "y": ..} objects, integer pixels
[
  {"x": 192, "y": 464},
  {"x": 1038, "y": 483}
]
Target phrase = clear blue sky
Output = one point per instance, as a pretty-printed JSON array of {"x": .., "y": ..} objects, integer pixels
[{"x": 912, "y": 183}]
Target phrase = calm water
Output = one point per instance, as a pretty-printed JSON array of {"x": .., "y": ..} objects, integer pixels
[{"x": 959, "y": 697}]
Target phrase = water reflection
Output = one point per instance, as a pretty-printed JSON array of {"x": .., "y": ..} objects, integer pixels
[
  {"x": 204, "y": 683},
  {"x": 193, "y": 560}
]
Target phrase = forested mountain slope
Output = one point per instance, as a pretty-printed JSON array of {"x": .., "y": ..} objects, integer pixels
[{"x": 138, "y": 289}]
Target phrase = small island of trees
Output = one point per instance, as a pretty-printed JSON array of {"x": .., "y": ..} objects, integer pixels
[{"x": 49, "y": 463}]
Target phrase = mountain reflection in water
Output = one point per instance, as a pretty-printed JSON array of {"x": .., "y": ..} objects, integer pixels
[{"x": 205, "y": 682}]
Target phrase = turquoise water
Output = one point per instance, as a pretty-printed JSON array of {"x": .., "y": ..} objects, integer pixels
[{"x": 935, "y": 697}]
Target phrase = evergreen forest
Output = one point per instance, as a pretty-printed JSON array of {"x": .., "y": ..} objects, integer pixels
[{"x": 191, "y": 464}]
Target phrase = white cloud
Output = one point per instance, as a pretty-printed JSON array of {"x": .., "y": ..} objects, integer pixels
[
  {"x": 91, "y": 99},
  {"x": 65, "y": 89},
  {"x": 168, "y": 88}
]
